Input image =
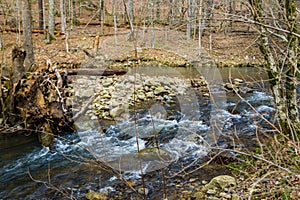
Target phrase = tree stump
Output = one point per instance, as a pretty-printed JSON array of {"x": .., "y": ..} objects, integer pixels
[{"x": 18, "y": 69}]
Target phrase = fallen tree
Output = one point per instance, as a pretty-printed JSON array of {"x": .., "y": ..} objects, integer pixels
[
  {"x": 36, "y": 101},
  {"x": 16, "y": 30},
  {"x": 94, "y": 72}
]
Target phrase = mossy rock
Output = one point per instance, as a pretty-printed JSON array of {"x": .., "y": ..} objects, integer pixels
[{"x": 96, "y": 196}]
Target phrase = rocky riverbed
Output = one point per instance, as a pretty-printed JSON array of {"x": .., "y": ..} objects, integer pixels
[
  {"x": 116, "y": 95},
  {"x": 113, "y": 98}
]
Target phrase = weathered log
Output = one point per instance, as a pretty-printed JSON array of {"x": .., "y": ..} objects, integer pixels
[
  {"x": 33, "y": 31},
  {"x": 95, "y": 72}
]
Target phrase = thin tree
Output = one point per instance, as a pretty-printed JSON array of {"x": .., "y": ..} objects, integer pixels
[
  {"x": 115, "y": 20},
  {"x": 62, "y": 16},
  {"x": 199, "y": 29},
  {"x": 130, "y": 11},
  {"x": 101, "y": 10},
  {"x": 102, "y": 14},
  {"x": 232, "y": 7},
  {"x": 282, "y": 71},
  {"x": 74, "y": 13},
  {"x": 41, "y": 14},
  {"x": 129, "y": 14},
  {"x": 188, "y": 25},
  {"x": 27, "y": 32},
  {"x": 157, "y": 13},
  {"x": 51, "y": 22}
]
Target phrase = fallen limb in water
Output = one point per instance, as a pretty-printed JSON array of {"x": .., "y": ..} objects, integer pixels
[{"x": 84, "y": 108}]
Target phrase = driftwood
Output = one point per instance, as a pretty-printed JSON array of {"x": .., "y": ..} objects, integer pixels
[{"x": 94, "y": 72}]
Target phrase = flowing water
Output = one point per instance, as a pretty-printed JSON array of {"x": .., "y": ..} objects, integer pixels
[{"x": 29, "y": 171}]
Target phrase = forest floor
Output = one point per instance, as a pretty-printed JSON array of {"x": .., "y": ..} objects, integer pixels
[{"x": 235, "y": 47}]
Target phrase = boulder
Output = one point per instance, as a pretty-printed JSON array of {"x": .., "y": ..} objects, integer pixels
[{"x": 221, "y": 182}]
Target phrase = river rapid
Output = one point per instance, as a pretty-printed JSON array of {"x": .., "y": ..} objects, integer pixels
[{"x": 182, "y": 130}]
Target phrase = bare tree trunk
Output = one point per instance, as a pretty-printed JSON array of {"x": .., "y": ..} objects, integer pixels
[
  {"x": 41, "y": 14},
  {"x": 282, "y": 82},
  {"x": 27, "y": 32},
  {"x": 51, "y": 22},
  {"x": 152, "y": 24},
  {"x": 199, "y": 29},
  {"x": 101, "y": 10},
  {"x": 292, "y": 71},
  {"x": 211, "y": 16},
  {"x": 18, "y": 19},
  {"x": 129, "y": 14},
  {"x": 102, "y": 16},
  {"x": 232, "y": 12},
  {"x": 157, "y": 4},
  {"x": 273, "y": 71},
  {"x": 74, "y": 13},
  {"x": 171, "y": 14},
  {"x": 130, "y": 11},
  {"x": 115, "y": 20},
  {"x": 188, "y": 25},
  {"x": 62, "y": 15}
]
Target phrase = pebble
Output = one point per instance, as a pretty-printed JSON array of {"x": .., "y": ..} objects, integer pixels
[
  {"x": 106, "y": 84},
  {"x": 141, "y": 96},
  {"x": 212, "y": 198},
  {"x": 225, "y": 195},
  {"x": 211, "y": 191},
  {"x": 235, "y": 197},
  {"x": 93, "y": 117},
  {"x": 193, "y": 180},
  {"x": 237, "y": 81},
  {"x": 205, "y": 94},
  {"x": 106, "y": 96},
  {"x": 143, "y": 191}
]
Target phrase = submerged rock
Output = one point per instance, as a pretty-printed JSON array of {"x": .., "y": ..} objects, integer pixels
[
  {"x": 88, "y": 93},
  {"x": 115, "y": 112},
  {"x": 143, "y": 191},
  {"x": 149, "y": 159}
]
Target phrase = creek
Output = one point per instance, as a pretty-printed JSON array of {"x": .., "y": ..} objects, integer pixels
[{"x": 181, "y": 130}]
